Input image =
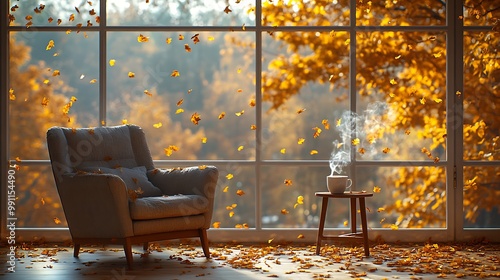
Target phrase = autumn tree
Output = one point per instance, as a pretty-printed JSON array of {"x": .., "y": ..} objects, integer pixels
[{"x": 408, "y": 71}]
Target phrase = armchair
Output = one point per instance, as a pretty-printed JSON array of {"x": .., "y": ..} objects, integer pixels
[{"x": 112, "y": 193}]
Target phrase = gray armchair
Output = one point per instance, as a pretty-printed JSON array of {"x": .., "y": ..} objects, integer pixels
[{"x": 112, "y": 193}]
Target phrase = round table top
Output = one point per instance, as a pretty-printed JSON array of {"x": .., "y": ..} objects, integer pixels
[{"x": 346, "y": 194}]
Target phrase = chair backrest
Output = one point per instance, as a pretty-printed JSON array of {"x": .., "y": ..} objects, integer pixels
[{"x": 112, "y": 146}]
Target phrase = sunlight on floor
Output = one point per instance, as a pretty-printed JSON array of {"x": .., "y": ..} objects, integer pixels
[{"x": 172, "y": 260}]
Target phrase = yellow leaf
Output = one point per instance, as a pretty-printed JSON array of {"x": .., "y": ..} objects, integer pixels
[
  {"x": 229, "y": 176},
  {"x": 168, "y": 40},
  {"x": 12, "y": 96},
  {"x": 45, "y": 101},
  {"x": 240, "y": 192},
  {"x": 253, "y": 127},
  {"x": 57, "y": 221},
  {"x": 393, "y": 82},
  {"x": 284, "y": 211},
  {"x": 346, "y": 223},
  {"x": 222, "y": 115},
  {"x": 204, "y": 140},
  {"x": 112, "y": 62},
  {"x": 313, "y": 152},
  {"x": 157, "y": 125},
  {"x": 124, "y": 121},
  {"x": 355, "y": 141},
  {"x": 175, "y": 73},
  {"x": 131, "y": 74},
  {"x": 56, "y": 73},
  {"x": 142, "y": 39},
  {"x": 283, "y": 151},
  {"x": 380, "y": 209},
  {"x": 422, "y": 100},
  {"x": 231, "y": 214},
  {"x": 93, "y": 81},
  {"x": 301, "y": 141},
  {"x": 179, "y": 111},
  {"x": 376, "y": 189},
  {"x": 301, "y": 236},
  {"x": 252, "y": 103},
  {"x": 386, "y": 150},
  {"x": 226, "y": 189},
  {"x": 325, "y": 124},
  {"x": 240, "y": 113},
  {"x": 300, "y": 199},
  {"x": 339, "y": 122},
  {"x": 438, "y": 100},
  {"x": 361, "y": 150},
  {"x": 216, "y": 224},
  {"x": 288, "y": 182},
  {"x": 50, "y": 45},
  {"x": 394, "y": 227},
  {"x": 240, "y": 148},
  {"x": 195, "y": 118},
  {"x": 146, "y": 92}
]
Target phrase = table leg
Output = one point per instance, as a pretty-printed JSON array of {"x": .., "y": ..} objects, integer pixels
[
  {"x": 353, "y": 215},
  {"x": 364, "y": 225},
  {"x": 324, "y": 205}
]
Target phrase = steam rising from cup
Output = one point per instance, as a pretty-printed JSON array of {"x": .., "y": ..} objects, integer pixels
[{"x": 364, "y": 127}]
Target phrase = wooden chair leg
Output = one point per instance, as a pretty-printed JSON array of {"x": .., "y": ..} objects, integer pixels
[
  {"x": 204, "y": 242},
  {"x": 127, "y": 248},
  {"x": 76, "y": 250},
  {"x": 324, "y": 205}
]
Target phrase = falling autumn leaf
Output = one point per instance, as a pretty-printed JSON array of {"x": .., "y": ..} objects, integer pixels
[
  {"x": 175, "y": 73},
  {"x": 240, "y": 192},
  {"x": 313, "y": 152},
  {"x": 45, "y": 101},
  {"x": 112, "y": 62},
  {"x": 283, "y": 151},
  {"x": 157, "y": 125},
  {"x": 301, "y": 141},
  {"x": 216, "y": 225},
  {"x": 288, "y": 182},
  {"x": 57, "y": 221},
  {"x": 131, "y": 74},
  {"x": 376, "y": 189},
  {"x": 142, "y": 39},
  {"x": 222, "y": 115},
  {"x": 227, "y": 10},
  {"x": 12, "y": 96},
  {"x": 240, "y": 148},
  {"x": 240, "y": 113},
  {"x": 195, "y": 118},
  {"x": 226, "y": 189},
  {"x": 204, "y": 140},
  {"x": 50, "y": 45},
  {"x": 229, "y": 176}
]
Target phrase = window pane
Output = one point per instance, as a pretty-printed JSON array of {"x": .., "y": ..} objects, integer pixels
[
  {"x": 404, "y": 197},
  {"x": 282, "y": 186},
  {"x": 305, "y": 13},
  {"x": 481, "y": 12},
  {"x": 33, "y": 13},
  {"x": 37, "y": 203},
  {"x": 400, "y": 13},
  {"x": 401, "y": 80},
  {"x": 481, "y": 193},
  {"x": 305, "y": 84},
  {"x": 180, "y": 13},
  {"x": 235, "y": 196},
  {"x": 43, "y": 80},
  {"x": 194, "y": 96},
  {"x": 481, "y": 120}
]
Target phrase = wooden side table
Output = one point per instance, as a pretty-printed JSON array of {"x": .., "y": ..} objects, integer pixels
[{"x": 354, "y": 236}]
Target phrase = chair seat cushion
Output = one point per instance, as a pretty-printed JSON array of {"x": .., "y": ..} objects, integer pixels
[{"x": 158, "y": 207}]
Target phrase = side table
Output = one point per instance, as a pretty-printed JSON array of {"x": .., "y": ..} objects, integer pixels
[{"x": 354, "y": 235}]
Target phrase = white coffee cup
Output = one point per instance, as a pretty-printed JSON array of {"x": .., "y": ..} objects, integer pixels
[{"x": 338, "y": 183}]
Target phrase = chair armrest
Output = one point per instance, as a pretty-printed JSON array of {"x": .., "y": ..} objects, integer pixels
[{"x": 96, "y": 205}]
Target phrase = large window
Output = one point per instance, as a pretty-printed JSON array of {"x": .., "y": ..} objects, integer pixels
[{"x": 403, "y": 94}]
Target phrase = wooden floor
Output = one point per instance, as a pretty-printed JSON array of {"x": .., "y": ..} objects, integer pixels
[{"x": 175, "y": 260}]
